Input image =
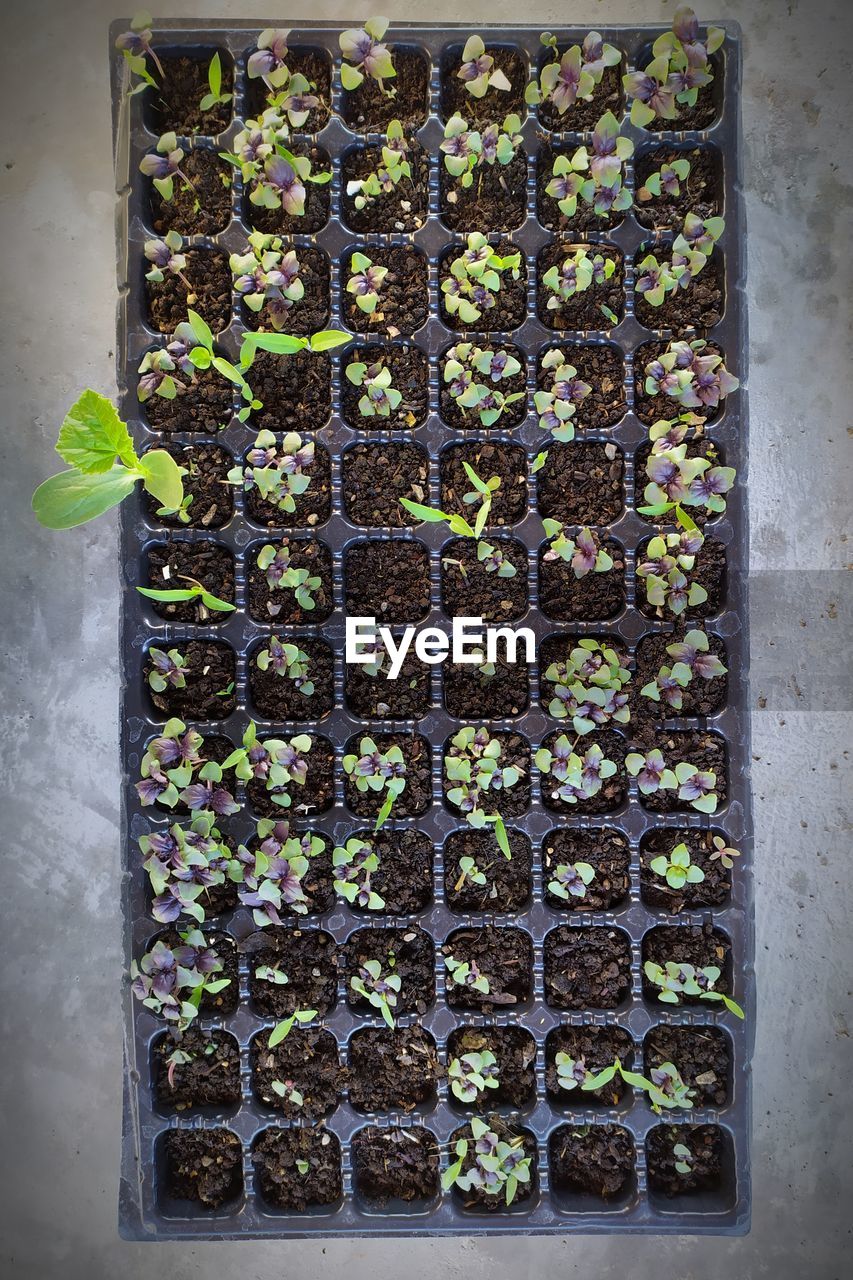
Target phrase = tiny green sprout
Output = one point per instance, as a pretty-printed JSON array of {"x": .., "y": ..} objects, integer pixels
[
  {"x": 104, "y": 468},
  {"x": 468, "y": 870},
  {"x": 287, "y": 660},
  {"x": 571, "y": 880},
  {"x": 478, "y": 71},
  {"x": 272, "y": 973},
  {"x": 495, "y": 560},
  {"x": 355, "y": 863},
  {"x": 366, "y": 55},
  {"x": 135, "y": 47},
  {"x": 499, "y": 1166},
  {"x": 573, "y": 1073},
  {"x": 539, "y": 462},
  {"x": 665, "y": 181},
  {"x": 570, "y": 777},
  {"x": 195, "y": 591},
  {"x": 476, "y": 276},
  {"x": 376, "y": 770},
  {"x": 365, "y": 282},
  {"x": 303, "y": 1166},
  {"x": 583, "y": 552},
  {"x": 483, "y": 492},
  {"x": 287, "y": 1090},
  {"x": 387, "y": 175},
  {"x": 472, "y": 375},
  {"x": 677, "y": 869},
  {"x": 279, "y": 473},
  {"x": 465, "y": 973},
  {"x": 283, "y": 1029},
  {"x": 662, "y": 571},
  {"x": 676, "y": 980},
  {"x": 380, "y": 398},
  {"x": 168, "y": 670},
  {"x": 558, "y": 405},
  {"x": 379, "y": 990},
  {"x": 472, "y": 1074},
  {"x": 577, "y": 273},
  {"x": 214, "y": 83},
  {"x": 723, "y": 853},
  {"x": 281, "y": 575},
  {"x": 572, "y": 77},
  {"x": 680, "y": 67},
  {"x": 588, "y": 687},
  {"x": 683, "y": 1158}
]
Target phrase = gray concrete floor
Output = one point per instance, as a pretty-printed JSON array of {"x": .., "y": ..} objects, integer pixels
[{"x": 60, "y": 1015}]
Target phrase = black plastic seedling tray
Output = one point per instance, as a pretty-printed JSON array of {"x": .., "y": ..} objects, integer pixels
[{"x": 146, "y": 1212}]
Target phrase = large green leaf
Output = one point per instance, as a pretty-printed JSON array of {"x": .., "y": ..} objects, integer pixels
[
  {"x": 70, "y": 498},
  {"x": 162, "y": 478},
  {"x": 93, "y": 435}
]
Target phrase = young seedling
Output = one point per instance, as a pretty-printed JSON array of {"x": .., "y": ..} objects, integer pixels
[
  {"x": 693, "y": 785},
  {"x": 287, "y": 661},
  {"x": 272, "y": 973},
  {"x": 691, "y": 249},
  {"x": 676, "y": 868},
  {"x": 290, "y": 94},
  {"x": 499, "y": 1166},
  {"x": 604, "y": 188},
  {"x": 468, "y": 870},
  {"x": 482, "y": 492},
  {"x": 174, "y": 769},
  {"x": 472, "y": 1074},
  {"x": 376, "y": 770},
  {"x": 170, "y": 980},
  {"x": 183, "y": 863},
  {"x": 578, "y": 273},
  {"x": 573, "y": 777},
  {"x": 135, "y": 46},
  {"x": 361, "y": 861},
  {"x": 665, "y": 181},
  {"x": 380, "y": 398},
  {"x": 668, "y": 558},
  {"x": 279, "y": 473},
  {"x": 680, "y": 67},
  {"x": 365, "y": 282},
  {"x": 557, "y": 407},
  {"x": 476, "y": 277},
  {"x": 272, "y": 874},
  {"x": 366, "y": 56},
  {"x": 388, "y": 175},
  {"x": 692, "y": 379},
  {"x": 677, "y": 980},
  {"x": 168, "y": 670},
  {"x": 473, "y": 762},
  {"x": 282, "y": 1030},
  {"x": 214, "y": 97},
  {"x": 195, "y": 591},
  {"x": 588, "y": 687},
  {"x": 668, "y": 1090},
  {"x": 105, "y": 468},
  {"x": 574, "y": 76},
  {"x": 282, "y": 575},
  {"x": 467, "y": 150},
  {"x": 165, "y": 256},
  {"x": 274, "y": 177},
  {"x": 478, "y": 71},
  {"x": 683, "y": 1158},
  {"x": 378, "y": 988},
  {"x": 163, "y": 165},
  {"x": 465, "y": 973},
  {"x": 583, "y": 552},
  {"x": 267, "y": 278},
  {"x": 191, "y": 348},
  {"x": 723, "y": 853},
  {"x": 278, "y": 764},
  {"x": 571, "y": 880},
  {"x": 473, "y": 373},
  {"x": 691, "y": 657}
]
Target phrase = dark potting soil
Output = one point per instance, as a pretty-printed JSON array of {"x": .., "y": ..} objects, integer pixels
[
  {"x": 510, "y": 802},
  {"x": 601, "y": 366},
  {"x": 395, "y": 1164},
  {"x": 174, "y": 105},
  {"x": 205, "y": 405},
  {"x": 206, "y": 467},
  {"x": 317, "y": 882},
  {"x": 508, "y": 880},
  {"x": 471, "y": 695},
  {"x": 209, "y": 673},
  {"x": 404, "y": 875},
  {"x": 208, "y": 273},
  {"x": 371, "y": 108},
  {"x": 403, "y": 295},
  {"x": 613, "y": 789},
  {"x": 582, "y": 482},
  {"x": 409, "y": 375},
  {"x": 375, "y": 476},
  {"x": 515, "y": 1052},
  {"x": 405, "y": 951},
  {"x": 392, "y": 1070},
  {"x": 307, "y": 1060},
  {"x": 703, "y": 448},
  {"x": 403, "y": 209},
  {"x": 277, "y": 697},
  {"x": 582, "y": 310},
  {"x": 506, "y": 461},
  {"x": 308, "y": 957},
  {"x": 311, "y": 312},
  {"x": 699, "y": 945},
  {"x": 280, "y": 605},
  {"x": 605, "y": 849},
  {"x": 704, "y": 1143},
  {"x": 651, "y": 409},
  {"x": 506, "y": 1132},
  {"x": 496, "y": 200},
  {"x": 700, "y": 698},
  {"x": 582, "y": 116},
  {"x": 709, "y": 570},
  {"x": 596, "y": 1047},
  {"x": 315, "y": 795},
  {"x": 698, "y": 307},
  {"x": 700, "y": 193},
  {"x": 171, "y": 564},
  {"x": 592, "y": 598},
  {"x": 416, "y": 796},
  {"x": 388, "y": 579},
  {"x": 312, "y": 507},
  {"x": 701, "y": 1055},
  {"x": 277, "y": 1155},
  {"x": 595, "y": 1159},
  {"x": 210, "y": 1079},
  {"x": 692, "y": 118},
  {"x": 378, "y": 698},
  {"x": 315, "y": 66},
  {"x": 495, "y": 103},
  {"x": 468, "y": 419},
  {"x": 214, "y": 1003},
  {"x": 469, "y": 589},
  {"x": 204, "y": 1165},
  {"x": 587, "y": 967},
  {"x": 584, "y": 221},
  {"x": 317, "y": 200},
  {"x": 707, "y": 751},
  {"x": 654, "y": 890},
  {"x": 203, "y": 208},
  {"x": 510, "y": 307},
  {"x": 504, "y": 956},
  {"x": 296, "y": 391}
]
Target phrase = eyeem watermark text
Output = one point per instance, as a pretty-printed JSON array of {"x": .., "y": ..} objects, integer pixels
[{"x": 470, "y": 642}]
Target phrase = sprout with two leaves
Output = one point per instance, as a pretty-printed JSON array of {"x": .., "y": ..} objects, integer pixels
[
  {"x": 691, "y": 658},
  {"x": 281, "y": 1030},
  {"x": 583, "y": 552},
  {"x": 378, "y": 988},
  {"x": 183, "y": 864},
  {"x": 573, "y": 76},
  {"x": 355, "y": 862},
  {"x": 173, "y": 769},
  {"x": 558, "y": 405},
  {"x": 135, "y": 47},
  {"x": 466, "y": 973},
  {"x": 588, "y": 687},
  {"x": 668, "y": 558},
  {"x": 466, "y": 150},
  {"x": 214, "y": 96},
  {"x": 288, "y": 661},
  {"x": 573, "y": 777},
  {"x": 166, "y": 258},
  {"x": 604, "y": 187},
  {"x": 571, "y": 880},
  {"x": 478, "y": 71},
  {"x": 267, "y": 278},
  {"x": 388, "y": 175},
  {"x": 577, "y": 273},
  {"x": 171, "y": 980},
  {"x": 282, "y": 575},
  {"x": 473, "y": 375},
  {"x": 499, "y": 1166},
  {"x": 163, "y": 165},
  {"x": 653, "y": 774},
  {"x": 365, "y": 282},
  {"x": 482, "y": 492},
  {"x": 376, "y": 770},
  {"x": 366, "y": 56},
  {"x": 676, "y": 980},
  {"x": 473, "y": 763},
  {"x": 380, "y": 398},
  {"x": 476, "y": 277},
  {"x": 472, "y": 1074},
  {"x": 168, "y": 670},
  {"x": 278, "y": 472},
  {"x": 680, "y": 67},
  {"x": 677, "y": 868}
]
